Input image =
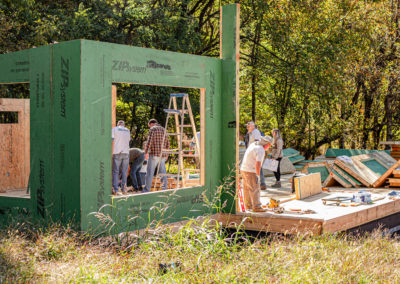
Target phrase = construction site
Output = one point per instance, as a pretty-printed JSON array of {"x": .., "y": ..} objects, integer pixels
[{"x": 56, "y": 152}]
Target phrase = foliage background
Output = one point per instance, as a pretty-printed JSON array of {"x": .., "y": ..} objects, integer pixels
[{"x": 324, "y": 72}]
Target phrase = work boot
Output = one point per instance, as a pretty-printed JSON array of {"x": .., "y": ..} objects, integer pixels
[
  {"x": 263, "y": 187},
  {"x": 276, "y": 185}
]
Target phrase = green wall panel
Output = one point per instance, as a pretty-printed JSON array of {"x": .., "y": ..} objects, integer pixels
[
  {"x": 230, "y": 96},
  {"x": 15, "y": 67},
  {"x": 41, "y": 130},
  {"x": 95, "y": 131},
  {"x": 66, "y": 117}
]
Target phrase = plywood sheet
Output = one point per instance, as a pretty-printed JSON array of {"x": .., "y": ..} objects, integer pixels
[
  {"x": 15, "y": 146},
  {"x": 307, "y": 185}
]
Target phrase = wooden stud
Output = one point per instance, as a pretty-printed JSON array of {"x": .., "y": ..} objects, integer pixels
[{"x": 381, "y": 180}]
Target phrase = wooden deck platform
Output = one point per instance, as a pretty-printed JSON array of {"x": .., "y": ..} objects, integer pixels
[{"x": 326, "y": 219}]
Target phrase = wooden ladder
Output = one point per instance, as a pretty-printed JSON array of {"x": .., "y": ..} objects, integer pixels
[{"x": 179, "y": 116}]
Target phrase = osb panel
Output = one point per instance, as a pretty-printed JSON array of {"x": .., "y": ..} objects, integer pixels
[{"x": 15, "y": 146}]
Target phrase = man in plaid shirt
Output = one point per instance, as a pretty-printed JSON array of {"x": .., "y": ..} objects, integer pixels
[{"x": 153, "y": 151}]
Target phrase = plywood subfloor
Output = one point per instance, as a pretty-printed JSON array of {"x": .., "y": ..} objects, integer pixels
[{"x": 327, "y": 218}]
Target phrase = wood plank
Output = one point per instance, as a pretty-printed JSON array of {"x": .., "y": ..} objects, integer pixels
[
  {"x": 270, "y": 223},
  {"x": 361, "y": 217},
  {"x": 342, "y": 181},
  {"x": 381, "y": 180},
  {"x": 351, "y": 171},
  {"x": 389, "y": 142},
  {"x": 113, "y": 106},
  {"x": 307, "y": 185},
  {"x": 372, "y": 166},
  {"x": 346, "y": 176}
]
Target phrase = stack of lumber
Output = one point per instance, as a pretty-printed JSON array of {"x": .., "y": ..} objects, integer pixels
[
  {"x": 395, "y": 152},
  {"x": 157, "y": 185},
  {"x": 366, "y": 170},
  {"x": 394, "y": 179}
]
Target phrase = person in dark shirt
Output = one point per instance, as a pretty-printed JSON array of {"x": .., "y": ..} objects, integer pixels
[{"x": 136, "y": 159}]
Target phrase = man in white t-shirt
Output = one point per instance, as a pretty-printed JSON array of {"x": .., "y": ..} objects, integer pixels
[
  {"x": 250, "y": 170},
  {"x": 120, "y": 138},
  {"x": 255, "y": 135}
]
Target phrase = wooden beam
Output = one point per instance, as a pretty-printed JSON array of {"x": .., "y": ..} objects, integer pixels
[
  {"x": 361, "y": 217},
  {"x": 352, "y": 172},
  {"x": 271, "y": 223},
  {"x": 380, "y": 181}
]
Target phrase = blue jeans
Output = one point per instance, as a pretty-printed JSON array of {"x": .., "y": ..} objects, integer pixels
[
  {"x": 151, "y": 166},
  {"x": 120, "y": 163},
  {"x": 134, "y": 173},
  {"x": 262, "y": 178}
]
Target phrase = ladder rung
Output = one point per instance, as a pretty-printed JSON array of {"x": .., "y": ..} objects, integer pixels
[
  {"x": 172, "y": 110},
  {"x": 168, "y": 175},
  {"x": 185, "y": 125},
  {"x": 191, "y": 170},
  {"x": 190, "y": 155},
  {"x": 172, "y": 134},
  {"x": 170, "y": 152},
  {"x": 178, "y": 95},
  {"x": 190, "y": 141}
]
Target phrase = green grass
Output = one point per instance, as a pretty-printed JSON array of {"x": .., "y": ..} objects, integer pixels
[{"x": 205, "y": 254}]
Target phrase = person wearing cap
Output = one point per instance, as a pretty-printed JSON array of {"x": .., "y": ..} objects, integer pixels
[
  {"x": 152, "y": 150},
  {"x": 253, "y": 135},
  {"x": 120, "y": 149},
  {"x": 277, "y": 154},
  {"x": 250, "y": 171}
]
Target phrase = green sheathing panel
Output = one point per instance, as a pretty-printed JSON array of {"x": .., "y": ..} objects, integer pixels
[
  {"x": 290, "y": 152},
  {"x": 296, "y": 159},
  {"x": 375, "y": 166},
  {"x": 95, "y": 130},
  {"x": 41, "y": 128},
  {"x": 118, "y": 63},
  {"x": 345, "y": 181},
  {"x": 346, "y": 174},
  {"x": 11, "y": 207},
  {"x": 333, "y": 153},
  {"x": 230, "y": 96},
  {"x": 322, "y": 170},
  {"x": 66, "y": 118},
  {"x": 15, "y": 67}
]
